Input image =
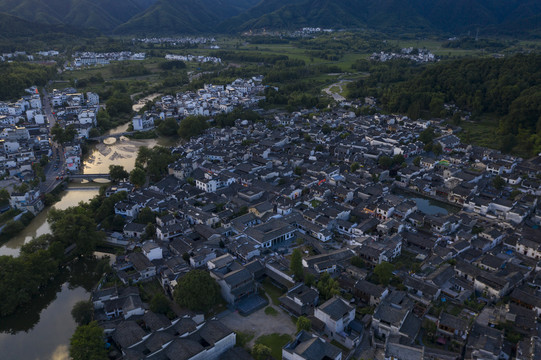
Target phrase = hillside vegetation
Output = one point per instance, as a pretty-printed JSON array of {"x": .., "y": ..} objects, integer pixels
[{"x": 507, "y": 89}]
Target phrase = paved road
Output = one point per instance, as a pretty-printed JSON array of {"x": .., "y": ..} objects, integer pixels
[{"x": 56, "y": 166}]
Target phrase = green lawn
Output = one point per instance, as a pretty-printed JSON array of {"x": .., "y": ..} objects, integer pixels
[
  {"x": 275, "y": 342},
  {"x": 482, "y": 132},
  {"x": 244, "y": 338},
  {"x": 269, "y": 310},
  {"x": 273, "y": 291}
]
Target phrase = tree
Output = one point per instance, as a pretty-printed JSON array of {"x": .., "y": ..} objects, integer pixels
[
  {"x": 417, "y": 161},
  {"x": 159, "y": 304},
  {"x": 437, "y": 149},
  {"x": 197, "y": 291},
  {"x": 327, "y": 286},
  {"x": 87, "y": 343},
  {"x": 4, "y": 196},
  {"x": 146, "y": 216},
  {"x": 168, "y": 127},
  {"x": 358, "y": 262},
  {"x": 75, "y": 225},
  {"x": 150, "y": 231},
  {"x": 498, "y": 182},
  {"x": 303, "y": 323},
  {"x": 83, "y": 312},
  {"x": 383, "y": 273},
  {"x": 385, "y": 162},
  {"x": 138, "y": 177},
  {"x": 355, "y": 166},
  {"x": 192, "y": 126},
  {"x": 118, "y": 173},
  {"x": 427, "y": 135},
  {"x": 295, "y": 264},
  {"x": 261, "y": 352},
  {"x": 398, "y": 159}
]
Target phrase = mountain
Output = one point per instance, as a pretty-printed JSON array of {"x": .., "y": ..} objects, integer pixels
[
  {"x": 450, "y": 16},
  {"x": 103, "y": 15},
  {"x": 154, "y": 17},
  {"x": 12, "y": 27},
  {"x": 183, "y": 16}
]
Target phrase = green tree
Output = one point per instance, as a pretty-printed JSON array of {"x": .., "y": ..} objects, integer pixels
[
  {"x": 138, "y": 177},
  {"x": 498, "y": 182},
  {"x": 417, "y": 161},
  {"x": 358, "y": 262},
  {"x": 385, "y": 162},
  {"x": 398, "y": 159},
  {"x": 4, "y": 196},
  {"x": 437, "y": 149},
  {"x": 150, "y": 231},
  {"x": 383, "y": 273},
  {"x": 192, "y": 126},
  {"x": 427, "y": 135},
  {"x": 197, "y": 291},
  {"x": 303, "y": 323},
  {"x": 83, "y": 312},
  {"x": 327, "y": 286},
  {"x": 168, "y": 127},
  {"x": 75, "y": 225},
  {"x": 146, "y": 216},
  {"x": 118, "y": 173},
  {"x": 355, "y": 166},
  {"x": 159, "y": 304},
  {"x": 261, "y": 352},
  {"x": 295, "y": 265},
  {"x": 87, "y": 343}
]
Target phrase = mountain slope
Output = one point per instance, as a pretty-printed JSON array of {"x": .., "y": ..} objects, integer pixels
[
  {"x": 435, "y": 15},
  {"x": 100, "y": 14},
  {"x": 12, "y": 27},
  {"x": 183, "y": 16}
]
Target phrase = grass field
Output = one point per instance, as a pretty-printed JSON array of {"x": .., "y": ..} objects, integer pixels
[
  {"x": 273, "y": 291},
  {"x": 275, "y": 342},
  {"x": 482, "y": 132}
]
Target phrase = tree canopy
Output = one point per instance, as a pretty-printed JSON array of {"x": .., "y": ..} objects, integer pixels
[
  {"x": 82, "y": 312},
  {"x": 87, "y": 343},
  {"x": 197, "y": 291}
]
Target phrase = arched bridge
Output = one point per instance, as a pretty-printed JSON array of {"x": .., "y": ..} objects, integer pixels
[
  {"x": 116, "y": 136},
  {"x": 89, "y": 177}
]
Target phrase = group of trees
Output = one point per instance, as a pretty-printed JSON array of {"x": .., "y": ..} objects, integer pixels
[
  {"x": 197, "y": 291},
  {"x": 22, "y": 278},
  {"x": 508, "y": 89},
  {"x": 63, "y": 135},
  {"x": 17, "y": 76},
  {"x": 151, "y": 162}
]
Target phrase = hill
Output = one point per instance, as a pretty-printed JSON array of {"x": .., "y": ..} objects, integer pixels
[
  {"x": 183, "y": 16},
  {"x": 448, "y": 16},
  {"x": 12, "y": 27},
  {"x": 509, "y": 17},
  {"x": 103, "y": 15}
]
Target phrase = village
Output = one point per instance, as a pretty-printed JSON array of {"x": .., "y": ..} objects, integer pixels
[
  {"x": 348, "y": 192},
  {"x": 411, "y": 241}
]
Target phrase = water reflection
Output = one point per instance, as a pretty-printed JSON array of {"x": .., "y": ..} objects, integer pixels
[{"x": 39, "y": 225}]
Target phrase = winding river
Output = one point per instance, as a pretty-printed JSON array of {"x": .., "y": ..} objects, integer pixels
[{"x": 42, "y": 331}]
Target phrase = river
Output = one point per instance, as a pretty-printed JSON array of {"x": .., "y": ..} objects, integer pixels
[{"x": 42, "y": 331}]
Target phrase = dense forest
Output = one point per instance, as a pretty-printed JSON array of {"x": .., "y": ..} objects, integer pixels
[
  {"x": 508, "y": 89},
  {"x": 15, "y": 77}
]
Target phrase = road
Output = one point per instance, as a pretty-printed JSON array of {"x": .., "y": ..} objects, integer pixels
[{"x": 56, "y": 166}]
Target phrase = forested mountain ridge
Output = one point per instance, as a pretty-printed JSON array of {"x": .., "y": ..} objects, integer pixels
[
  {"x": 510, "y": 17},
  {"x": 456, "y": 16}
]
